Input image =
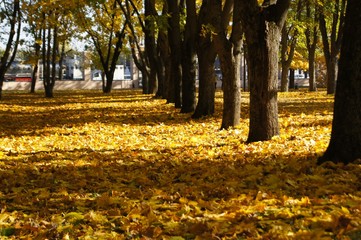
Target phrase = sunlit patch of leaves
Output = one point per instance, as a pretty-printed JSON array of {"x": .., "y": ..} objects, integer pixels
[{"x": 126, "y": 166}]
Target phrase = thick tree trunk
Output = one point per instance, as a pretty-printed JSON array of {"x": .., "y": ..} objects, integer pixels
[
  {"x": 331, "y": 65},
  {"x": 263, "y": 83},
  {"x": 229, "y": 53},
  {"x": 205, "y": 105},
  {"x": 174, "y": 35},
  {"x": 164, "y": 67},
  {"x": 107, "y": 87},
  {"x": 262, "y": 25},
  {"x": 231, "y": 87},
  {"x": 189, "y": 82},
  {"x": 49, "y": 93},
  {"x": 161, "y": 91},
  {"x": 189, "y": 59},
  {"x": 150, "y": 46},
  {"x": 206, "y": 58},
  {"x": 345, "y": 143}
]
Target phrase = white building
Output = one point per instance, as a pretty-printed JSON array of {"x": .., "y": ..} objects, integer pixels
[{"x": 73, "y": 68}]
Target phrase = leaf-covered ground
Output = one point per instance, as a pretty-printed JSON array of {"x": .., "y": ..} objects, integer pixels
[{"x": 126, "y": 166}]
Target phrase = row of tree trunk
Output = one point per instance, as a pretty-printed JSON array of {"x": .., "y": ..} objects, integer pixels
[{"x": 206, "y": 36}]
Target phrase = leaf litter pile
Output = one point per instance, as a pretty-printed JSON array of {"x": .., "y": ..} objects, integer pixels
[{"x": 126, "y": 166}]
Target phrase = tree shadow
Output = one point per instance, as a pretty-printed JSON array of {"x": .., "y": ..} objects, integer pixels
[
  {"x": 149, "y": 188},
  {"x": 26, "y": 114}
]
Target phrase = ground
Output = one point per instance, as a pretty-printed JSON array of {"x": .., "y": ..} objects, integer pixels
[{"x": 84, "y": 165}]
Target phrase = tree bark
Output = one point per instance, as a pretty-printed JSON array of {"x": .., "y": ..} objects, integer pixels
[
  {"x": 287, "y": 53},
  {"x": 37, "y": 48},
  {"x": 12, "y": 44},
  {"x": 345, "y": 143},
  {"x": 262, "y": 25},
  {"x": 189, "y": 59},
  {"x": 292, "y": 79},
  {"x": 164, "y": 66},
  {"x": 312, "y": 86},
  {"x": 332, "y": 41},
  {"x": 150, "y": 46},
  {"x": 206, "y": 57},
  {"x": 311, "y": 43},
  {"x": 174, "y": 35},
  {"x": 229, "y": 53},
  {"x": 47, "y": 48}
]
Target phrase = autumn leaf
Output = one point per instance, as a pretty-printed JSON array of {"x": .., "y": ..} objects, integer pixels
[{"x": 128, "y": 166}]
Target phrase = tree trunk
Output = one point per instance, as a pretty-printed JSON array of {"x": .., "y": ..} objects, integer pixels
[
  {"x": 331, "y": 66},
  {"x": 284, "y": 77},
  {"x": 332, "y": 42},
  {"x": 312, "y": 72},
  {"x": 262, "y": 27},
  {"x": 263, "y": 84},
  {"x": 174, "y": 35},
  {"x": 161, "y": 91},
  {"x": 205, "y": 105},
  {"x": 345, "y": 143},
  {"x": 107, "y": 88},
  {"x": 61, "y": 59},
  {"x": 229, "y": 53},
  {"x": 12, "y": 44},
  {"x": 311, "y": 43},
  {"x": 292, "y": 79},
  {"x": 287, "y": 53},
  {"x": 34, "y": 76},
  {"x": 163, "y": 60},
  {"x": 189, "y": 59},
  {"x": 285, "y": 62},
  {"x": 150, "y": 46},
  {"x": 47, "y": 78},
  {"x": 206, "y": 58}
]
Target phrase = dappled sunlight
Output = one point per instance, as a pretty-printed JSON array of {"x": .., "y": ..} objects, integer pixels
[{"x": 127, "y": 166}]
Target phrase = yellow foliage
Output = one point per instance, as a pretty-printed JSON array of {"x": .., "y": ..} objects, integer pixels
[{"x": 126, "y": 166}]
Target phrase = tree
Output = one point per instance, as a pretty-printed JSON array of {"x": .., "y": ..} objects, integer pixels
[
  {"x": 10, "y": 16},
  {"x": 262, "y": 26},
  {"x": 311, "y": 34},
  {"x": 289, "y": 39},
  {"x": 206, "y": 56},
  {"x": 189, "y": 59},
  {"x": 345, "y": 143},
  {"x": 332, "y": 12},
  {"x": 149, "y": 59},
  {"x": 105, "y": 26},
  {"x": 150, "y": 14},
  {"x": 229, "y": 53},
  {"x": 135, "y": 35},
  {"x": 33, "y": 30},
  {"x": 163, "y": 54},
  {"x": 49, "y": 25},
  {"x": 175, "y": 43},
  {"x": 49, "y": 46}
]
